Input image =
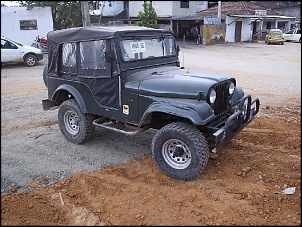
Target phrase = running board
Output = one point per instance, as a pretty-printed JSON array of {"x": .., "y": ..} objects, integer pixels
[{"x": 105, "y": 125}]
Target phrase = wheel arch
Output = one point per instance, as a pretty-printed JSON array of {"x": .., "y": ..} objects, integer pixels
[
  {"x": 195, "y": 114},
  {"x": 65, "y": 92},
  {"x": 30, "y": 53}
]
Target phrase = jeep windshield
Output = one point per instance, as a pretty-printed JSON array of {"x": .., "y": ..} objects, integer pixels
[{"x": 138, "y": 49}]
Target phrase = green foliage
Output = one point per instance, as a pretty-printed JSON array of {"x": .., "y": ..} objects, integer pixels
[
  {"x": 148, "y": 18},
  {"x": 65, "y": 14}
]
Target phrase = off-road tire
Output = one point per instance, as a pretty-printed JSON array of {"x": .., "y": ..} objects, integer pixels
[
  {"x": 30, "y": 60},
  {"x": 180, "y": 150},
  {"x": 76, "y": 126}
]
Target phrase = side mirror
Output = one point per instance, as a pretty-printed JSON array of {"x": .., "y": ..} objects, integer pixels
[{"x": 110, "y": 56}]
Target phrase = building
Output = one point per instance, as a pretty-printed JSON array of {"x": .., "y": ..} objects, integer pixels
[
  {"x": 168, "y": 10},
  {"x": 105, "y": 12},
  {"x": 241, "y": 21},
  {"x": 24, "y": 25}
]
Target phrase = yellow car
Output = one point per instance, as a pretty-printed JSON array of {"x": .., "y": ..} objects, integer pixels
[{"x": 274, "y": 36}]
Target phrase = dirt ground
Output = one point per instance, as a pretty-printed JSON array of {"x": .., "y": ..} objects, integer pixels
[{"x": 242, "y": 186}]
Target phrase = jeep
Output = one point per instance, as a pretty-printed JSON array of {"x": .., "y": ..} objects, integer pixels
[{"x": 128, "y": 79}]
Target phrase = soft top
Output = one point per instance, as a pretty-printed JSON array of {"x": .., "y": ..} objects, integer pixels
[{"x": 89, "y": 33}]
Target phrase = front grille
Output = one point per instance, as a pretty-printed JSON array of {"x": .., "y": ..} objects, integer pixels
[{"x": 220, "y": 104}]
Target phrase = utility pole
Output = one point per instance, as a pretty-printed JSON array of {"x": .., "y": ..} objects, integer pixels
[
  {"x": 85, "y": 13},
  {"x": 219, "y": 12}
]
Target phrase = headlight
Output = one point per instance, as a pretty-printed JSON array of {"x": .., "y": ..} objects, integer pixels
[
  {"x": 212, "y": 95},
  {"x": 231, "y": 88}
]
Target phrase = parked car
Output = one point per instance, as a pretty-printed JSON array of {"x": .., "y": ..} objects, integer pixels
[
  {"x": 128, "y": 79},
  {"x": 274, "y": 36},
  {"x": 292, "y": 35},
  {"x": 12, "y": 51}
]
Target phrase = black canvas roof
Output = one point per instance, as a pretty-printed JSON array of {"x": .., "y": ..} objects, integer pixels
[
  {"x": 88, "y": 33},
  {"x": 56, "y": 38}
]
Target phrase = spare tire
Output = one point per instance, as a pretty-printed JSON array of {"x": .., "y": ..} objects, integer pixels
[{"x": 44, "y": 75}]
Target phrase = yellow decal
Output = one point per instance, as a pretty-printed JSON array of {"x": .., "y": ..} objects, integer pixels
[{"x": 125, "y": 109}]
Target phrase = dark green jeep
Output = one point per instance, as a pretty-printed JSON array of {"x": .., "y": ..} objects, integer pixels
[{"x": 128, "y": 79}]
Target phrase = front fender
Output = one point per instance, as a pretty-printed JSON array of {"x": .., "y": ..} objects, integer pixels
[
  {"x": 236, "y": 96},
  {"x": 73, "y": 92},
  {"x": 197, "y": 112}
]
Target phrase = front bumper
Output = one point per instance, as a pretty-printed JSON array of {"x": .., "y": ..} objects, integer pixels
[
  {"x": 40, "y": 56},
  {"x": 242, "y": 116}
]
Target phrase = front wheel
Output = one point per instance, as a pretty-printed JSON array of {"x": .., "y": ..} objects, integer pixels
[
  {"x": 76, "y": 126},
  {"x": 180, "y": 150}
]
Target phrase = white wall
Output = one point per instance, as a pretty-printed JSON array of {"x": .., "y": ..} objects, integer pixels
[
  {"x": 113, "y": 10},
  {"x": 201, "y": 5},
  {"x": 163, "y": 8},
  {"x": 10, "y": 23},
  {"x": 245, "y": 29}
]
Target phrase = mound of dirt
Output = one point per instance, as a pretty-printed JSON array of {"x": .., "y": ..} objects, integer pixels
[{"x": 242, "y": 186}]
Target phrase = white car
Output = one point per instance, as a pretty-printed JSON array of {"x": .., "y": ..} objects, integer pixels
[
  {"x": 12, "y": 51},
  {"x": 293, "y": 35}
]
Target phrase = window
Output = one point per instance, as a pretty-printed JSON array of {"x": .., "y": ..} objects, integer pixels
[
  {"x": 85, "y": 59},
  {"x": 268, "y": 25},
  {"x": 184, "y": 4},
  {"x": 69, "y": 55},
  {"x": 28, "y": 25},
  {"x": 93, "y": 54},
  {"x": 147, "y": 48},
  {"x": 92, "y": 62}
]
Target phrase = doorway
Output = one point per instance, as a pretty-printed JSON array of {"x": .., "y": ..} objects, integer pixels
[{"x": 238, "y": 27}]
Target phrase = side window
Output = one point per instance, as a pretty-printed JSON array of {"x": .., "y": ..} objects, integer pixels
[
  {"x": 69, "y": 55},
  {"x": 92, "y": 59},
  {"x": 7, "y": 45},
  {"x": 85, "y": 59},
  {"x": 93, "y": 54},
  {"x": 68, "y": 58}
]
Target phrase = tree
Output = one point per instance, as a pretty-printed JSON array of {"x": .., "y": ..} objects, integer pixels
[
  {"x": 148, "y": 18},
  {"x": 65, "y": 14}
]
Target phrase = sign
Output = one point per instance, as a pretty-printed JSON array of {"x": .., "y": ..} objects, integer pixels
[
  {"x": 211, "y": 20},
  {"x": 138, "y": 47}
]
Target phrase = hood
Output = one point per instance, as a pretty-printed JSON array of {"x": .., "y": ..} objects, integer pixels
[
  {"x": 30, "y": 49},
  {"x": 173, "y": 82}
]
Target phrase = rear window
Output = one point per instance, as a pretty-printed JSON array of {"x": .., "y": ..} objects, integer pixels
[{"x": 277, "y": 32}]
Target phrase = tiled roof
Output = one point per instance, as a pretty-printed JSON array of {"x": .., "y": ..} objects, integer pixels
[
  {"x": 236, "y": 8},
  {"x": 277, "y": 4}
]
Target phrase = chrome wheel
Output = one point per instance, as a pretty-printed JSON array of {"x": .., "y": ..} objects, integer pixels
[
  {"x": 71, "y": 121},
  {"x": 176, "y": 153}
]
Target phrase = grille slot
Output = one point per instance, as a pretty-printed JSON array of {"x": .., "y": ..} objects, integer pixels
[{"x": 220, "y": 104}]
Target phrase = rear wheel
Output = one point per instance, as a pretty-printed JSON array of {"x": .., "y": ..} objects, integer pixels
[
  {"x": 76, "y": 126},
  {"x": 180, "y": 150},
  {"x": 30, "y": 60}
]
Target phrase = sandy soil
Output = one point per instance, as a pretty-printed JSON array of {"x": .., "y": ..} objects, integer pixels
[{"x": 242, "y": 186}]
